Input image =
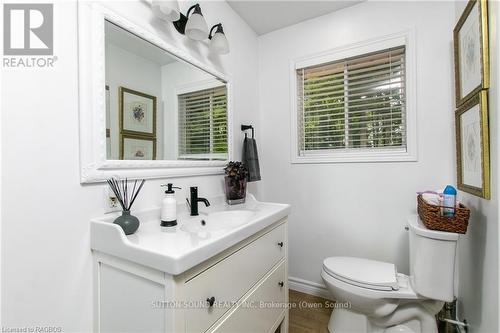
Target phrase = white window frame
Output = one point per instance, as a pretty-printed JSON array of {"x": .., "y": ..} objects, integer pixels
[
  {"x": 189, "y": 88},
  {"x": 408, "y": 154}
]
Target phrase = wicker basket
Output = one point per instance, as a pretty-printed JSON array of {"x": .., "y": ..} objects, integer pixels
[{"x": 432, "y": 218}]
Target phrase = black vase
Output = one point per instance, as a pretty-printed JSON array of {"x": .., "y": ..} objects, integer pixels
[
  {"x": 236, "y": 190},
  {"x": 129, "y": 223}
]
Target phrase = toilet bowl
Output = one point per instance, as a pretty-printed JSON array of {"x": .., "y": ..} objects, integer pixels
[
  {"x": 375, "y": 306},
  {"x": 379, "y": 299}
]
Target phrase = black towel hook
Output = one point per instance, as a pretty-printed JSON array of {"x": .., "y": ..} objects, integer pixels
[{"x": 247, "y": 127}]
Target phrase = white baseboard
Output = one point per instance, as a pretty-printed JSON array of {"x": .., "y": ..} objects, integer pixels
[{"x": 308, "y": 287}]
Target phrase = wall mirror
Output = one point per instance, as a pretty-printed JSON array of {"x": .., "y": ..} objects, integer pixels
[
  {"x": 146, "y": 108},
  {"x": 159, "y": 107}
]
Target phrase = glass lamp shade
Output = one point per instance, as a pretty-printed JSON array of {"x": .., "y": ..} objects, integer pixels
[
  {"x": 219, "y": 44},
  {"x": 196, "y": 27},
  {"x": 167, "y": 10}
]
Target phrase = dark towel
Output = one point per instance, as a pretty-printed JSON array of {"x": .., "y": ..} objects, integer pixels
[{"x": 251, "y": 159}]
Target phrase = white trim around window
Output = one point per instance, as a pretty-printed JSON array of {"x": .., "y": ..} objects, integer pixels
[{"x": 408, "y": 154}]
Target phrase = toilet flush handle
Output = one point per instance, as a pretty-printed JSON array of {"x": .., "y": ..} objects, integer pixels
[{"x": 407, "y": 228}]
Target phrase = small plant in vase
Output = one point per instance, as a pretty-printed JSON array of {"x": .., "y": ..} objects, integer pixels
[{"x": 235, "y": 182}]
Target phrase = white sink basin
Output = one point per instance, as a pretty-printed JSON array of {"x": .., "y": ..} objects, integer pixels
[
  {"x": 231, "y": 216},
  {"x": 176, "y": 249},
  {"x": 217, "y": 221}
]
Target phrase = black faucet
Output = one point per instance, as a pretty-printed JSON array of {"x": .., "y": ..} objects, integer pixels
[{"x": 194, "y": 201}]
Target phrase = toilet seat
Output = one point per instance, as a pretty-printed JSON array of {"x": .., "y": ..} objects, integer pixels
[
  {"x": 363, "y": 273},
  {"x": 405, "y": 290}
]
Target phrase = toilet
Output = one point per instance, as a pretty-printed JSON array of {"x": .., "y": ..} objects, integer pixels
[{"x": 376, "y": 298}]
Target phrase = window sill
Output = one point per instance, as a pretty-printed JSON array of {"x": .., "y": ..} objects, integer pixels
[
  {"x": 215, "y": 157},
  {"x": 355, "y": 157}
]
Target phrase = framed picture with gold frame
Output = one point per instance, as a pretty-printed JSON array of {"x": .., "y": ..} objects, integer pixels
[
  {"x": 473, "y": 155},
  {"x": 137, "y": 147},
  {"x": 137, "y": 112},
  {"x": 470, "y": 41}
]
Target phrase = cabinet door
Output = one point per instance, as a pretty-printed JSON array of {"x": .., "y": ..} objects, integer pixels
[
  {"x": 261, "y": 310},
  {"x": 126, "y": 302}
]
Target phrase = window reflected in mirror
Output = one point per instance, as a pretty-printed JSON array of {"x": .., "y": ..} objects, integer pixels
[
  {"x": 159, "y": 107},
  {"x": 203, "y": 123}
]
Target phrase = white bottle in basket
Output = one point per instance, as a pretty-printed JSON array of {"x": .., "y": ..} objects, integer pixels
[{"x": 449, "y": 200}]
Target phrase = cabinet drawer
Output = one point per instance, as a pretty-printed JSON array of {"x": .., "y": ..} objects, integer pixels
[
  {"x": 228, "y": 280},
  {"x": 261, "y": 309}
]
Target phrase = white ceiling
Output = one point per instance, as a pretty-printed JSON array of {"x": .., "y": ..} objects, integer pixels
[{"x": 266, "y": 16}]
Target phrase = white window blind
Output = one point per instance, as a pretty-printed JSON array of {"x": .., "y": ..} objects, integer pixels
[
  {"x": 353, "y": 104},
  {"x": 203, "y": 124}
]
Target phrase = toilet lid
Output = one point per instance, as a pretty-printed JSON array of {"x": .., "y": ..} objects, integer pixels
[{"x": 363, "y": 272}]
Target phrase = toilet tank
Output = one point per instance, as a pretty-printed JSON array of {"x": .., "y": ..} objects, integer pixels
[{"x": 432, "y": 261}]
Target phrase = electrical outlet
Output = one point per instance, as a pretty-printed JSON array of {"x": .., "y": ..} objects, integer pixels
[{"x": 111, "y": 203}]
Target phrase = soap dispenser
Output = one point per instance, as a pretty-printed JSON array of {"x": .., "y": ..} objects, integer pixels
[{"x": 169, "y": 207}]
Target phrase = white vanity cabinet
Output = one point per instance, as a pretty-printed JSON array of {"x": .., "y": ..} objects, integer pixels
[{"x": 246, "y": 282}]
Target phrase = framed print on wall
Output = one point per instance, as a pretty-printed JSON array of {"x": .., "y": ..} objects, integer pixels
[
  {"x": 137, "y": 112},
  {"x": 136, "y": 147},
  {"x": 470, "y": 40},
  {"x": 473, "y": 157}
]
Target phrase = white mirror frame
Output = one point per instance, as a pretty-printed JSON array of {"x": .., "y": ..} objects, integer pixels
[{"x": 94, "y": 167}]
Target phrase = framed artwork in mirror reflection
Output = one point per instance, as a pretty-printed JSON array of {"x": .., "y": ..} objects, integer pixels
[
  {"x": 137, "y": 112},
  {"x": 137, "y": 147}
]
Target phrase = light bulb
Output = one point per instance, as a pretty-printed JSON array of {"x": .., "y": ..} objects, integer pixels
[
  {"x": 167, "y": 10},
  {"x": 218, "y": 41},
  {"x": 196, "y": 26}
]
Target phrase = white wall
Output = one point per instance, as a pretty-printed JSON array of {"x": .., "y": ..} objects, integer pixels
[
  {"x": 46, "y": 258},
  {"x": 478, "y": 249},
  {"x": 357, "y": 209},
  {"x": 129, "y": 70}
]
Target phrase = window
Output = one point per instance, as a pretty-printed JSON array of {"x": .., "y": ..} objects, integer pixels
[
  {"x": 203, "y": 124},
  {"x": 354, "y": 108}
]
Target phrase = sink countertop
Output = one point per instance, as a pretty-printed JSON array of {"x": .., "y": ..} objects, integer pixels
[{"x": 176, "y": 249}]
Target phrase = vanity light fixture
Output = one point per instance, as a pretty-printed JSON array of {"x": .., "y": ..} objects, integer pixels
[
  {"x": 218, "y": 41},
  {"x": 194, "y": 26},
  {"x": 166, "y": 10}
]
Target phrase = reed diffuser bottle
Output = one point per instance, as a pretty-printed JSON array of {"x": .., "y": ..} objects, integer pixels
[{"x": 126, "y": 196}]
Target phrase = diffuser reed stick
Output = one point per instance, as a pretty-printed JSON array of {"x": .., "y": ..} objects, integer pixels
[{"x": 121, "y": 189}]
